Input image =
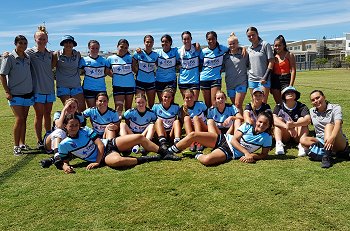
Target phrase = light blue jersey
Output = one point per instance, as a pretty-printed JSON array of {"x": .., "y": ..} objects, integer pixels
[
  {"x": 250, "y": 140},
  {"x": 82, "y": 146},
  {"x": 138, "y": 121},
  {"x": 167, "y": 115},
  {"x": 166, "y": 65},
  {"x": 146, "y": 66},
  {"x": 122, "y": 72},
  {"x": 189, "y": 71},
  {"x": 220, "y": 117},
  {"x": 212, "y": 62},
  {"x": 94, "y": 79},
  {"x": 100, "y": 121},
  {"x": 198, "y": 109}
]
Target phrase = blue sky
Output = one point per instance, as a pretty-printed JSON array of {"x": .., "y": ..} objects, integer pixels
[{"x": 108, "y": 21}]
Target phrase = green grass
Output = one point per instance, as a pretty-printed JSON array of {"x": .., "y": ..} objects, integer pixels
[{"x": 281, "y": 193}]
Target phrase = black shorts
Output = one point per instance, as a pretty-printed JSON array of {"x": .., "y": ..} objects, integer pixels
[
  {"x": 280, "y": 82},
  {"x": 111, "y": 147},
  {"x": 207, "y": 85},
  {"x": 192, "y": 86},
  {"x": 145, "y": 86},
  {"x": 88, "y": 94},
  {"x": 221, "y": 143},
  {"x": 160, "y": 86},
  {"x": 123, "y": 90}
]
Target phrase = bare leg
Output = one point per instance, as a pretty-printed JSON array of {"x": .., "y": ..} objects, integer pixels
[
  {"x": 47, "y": 116},
  {"x": 212, "y": 127},
  {"x": 266, "y": 94},
  {"x": 125, "y": 143},
  {"x": 205, "y": 138},
  {"x": 128, "y": 101},
  {"x": 115, "y": 160},
  {"x": 339, "y": 141},
  {"x": 213, "y": 91},
  {"x": 151, "y": 96},
  {"x": 19, "y": 127},
  {"x": 119, "y": 103},
  {"x": 214, "y": 158},
  {"x": 188, "y": 125},
  {"x": 206, "y": 97},
  {"x": 276, "y": 95},
  {"x": 240, "y": 96},
  {"x": 38, "y": 120},
  {"x": 90, "y": 102}
]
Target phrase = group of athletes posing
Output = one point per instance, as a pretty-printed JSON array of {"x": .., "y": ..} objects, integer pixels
[{"x": 28, "y": 79}]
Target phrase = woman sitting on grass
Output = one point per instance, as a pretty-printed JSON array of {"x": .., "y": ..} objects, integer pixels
[
  {"x": 242, "y": 145},
  {"x": 223, "y": 118},
  {"x": 327, "y": 119},
  {"x": 103, "y": 117},
  {"x": 257, "y": 105},
  {"x": 85, "y": 144},
  {"x": 291, "y": 119}
]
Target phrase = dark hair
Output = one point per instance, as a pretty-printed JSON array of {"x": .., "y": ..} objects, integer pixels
[
  {"x": 283, "y": 41},
  {"x": 321, "y": 93},
  {"x": 171, "y": 91},
  {"x": 123, "y": 41},
  {"x": 186, "y": 32},
  {"x": 93, "y": 41},
  {"x": 19, "y": 38},
  {"x": 148, "y": 36},
  {"x": 69, "y": 117},
  {"x": 102, "y": 94},
  {"x": 167, "y": 37},
  {"x": 269, "y": 116},
  {"x": 255, "y": 30},
  {"x": 213, "y": 33}
]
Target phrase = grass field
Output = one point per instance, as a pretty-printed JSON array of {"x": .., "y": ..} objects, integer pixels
[{"x": 281, "y": 193}]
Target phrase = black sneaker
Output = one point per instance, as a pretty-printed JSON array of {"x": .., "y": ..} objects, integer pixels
[
  {"x": 326, "y": 161},
  {"x": 169, "y": 155},
  {"x": 40, "y": 145},
  {"x": 46, "y": 163}
]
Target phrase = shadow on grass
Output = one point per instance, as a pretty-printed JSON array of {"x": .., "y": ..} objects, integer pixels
[
  {"x": 5, "y": 175},
  {"x": 280, "y": 157}
]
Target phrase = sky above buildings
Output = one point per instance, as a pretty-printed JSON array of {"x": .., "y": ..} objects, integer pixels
[{"x": 109, "y": 20}]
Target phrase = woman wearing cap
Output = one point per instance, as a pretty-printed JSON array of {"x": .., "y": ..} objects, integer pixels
[
  {"x": 257, "y": 105},
  {"x": 17, "y": 81},
  {"x": 123, "y": 77},
  {"x": 66, "y": 62},
  {"x": 291, "y": 119},
  {"x": 327, "y": 119},
  {"x": 261, "y": 61},
  {"x": 284, "y": 68}
]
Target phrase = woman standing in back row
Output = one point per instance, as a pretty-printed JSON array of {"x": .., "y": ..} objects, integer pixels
[
  {"x": 66, "y": 62},
  {"x": 261, "y": 61}
]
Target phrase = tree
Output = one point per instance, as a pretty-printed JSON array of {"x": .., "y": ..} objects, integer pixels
[
  {"x": 347, "y": 60},
  {"x": 320, "y": 62}
]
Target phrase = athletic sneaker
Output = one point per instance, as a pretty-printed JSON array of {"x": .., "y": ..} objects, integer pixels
[
  {"x": 326, "y": 161},
  {"x": 170, "y": 155},
  {"x": 193, "y": 147},
  {"x": 24, "y": 147},
  {"x": 279, "y": 148},
  {"x": 200, "y": 147},
  {"x": 301, "y": 150},
  {"x": 40, "y": 145},
  {"x": 17, "y": 151}
]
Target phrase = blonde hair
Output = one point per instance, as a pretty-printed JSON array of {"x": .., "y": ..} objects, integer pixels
[
  {"x": 232, "y": 37},
  {"x": 219, "y": 92},
  {"x": 72, "y": 100},
  {"x": 41, "y": 30}
]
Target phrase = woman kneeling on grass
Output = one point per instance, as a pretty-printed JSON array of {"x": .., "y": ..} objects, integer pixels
[
  {"x": 327, "y": 119},
  {"x": 242, "y": 145},
  {"x": 85, "y": 144}
]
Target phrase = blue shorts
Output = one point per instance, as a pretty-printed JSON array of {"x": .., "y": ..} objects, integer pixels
[
  {"x": 160, "y": 86},
  {"x": 207, "y": 85},
  {"x": 237, "y": 89},
  {"x": 253, "y": 85},
  {"x": 192, "y": 86},
  {"x": 123, "y": 90},
  {"x": 44, "y": 98},
  {"x": 62, "y": 91},
  {"x": 143, "y": 86},
  {"x": 89, "y": 94},
  {"x": 22, "y": 100}
]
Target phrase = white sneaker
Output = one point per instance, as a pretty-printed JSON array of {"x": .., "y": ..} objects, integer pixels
[
  {"x": 279, "y": 149},
  {"x": 301, "y": 151}
]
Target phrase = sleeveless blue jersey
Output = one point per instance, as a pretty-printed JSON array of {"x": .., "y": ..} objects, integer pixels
[
  {"x": 122, "y": 72},
  {"x": 218, "y": 117},
  {"x": 167, "y": 115},
  {"x": 94, "y": 69},
  {"x": 251, "y": 141},
  {"x": 146, "y": 66},
  {"x": 138, "y": 121},
  {"x": 82, "y": 146},
  {"x": 166, "y": 65},
  {"x": 212, "y": 62},
  {"x": 198, "y": 109},
  {"x": 189, "y": 71},
  {"x": 100, "y": 121}
]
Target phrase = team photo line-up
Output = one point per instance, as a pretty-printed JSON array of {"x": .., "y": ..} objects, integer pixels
[{"x": 233, "y": 132}]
